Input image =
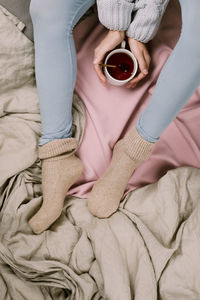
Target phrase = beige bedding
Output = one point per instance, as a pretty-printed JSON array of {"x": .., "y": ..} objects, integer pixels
[{"x": 149, "y": 249}]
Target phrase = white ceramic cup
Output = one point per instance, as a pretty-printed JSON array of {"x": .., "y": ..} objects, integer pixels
[{"x": 111, "y": 79}]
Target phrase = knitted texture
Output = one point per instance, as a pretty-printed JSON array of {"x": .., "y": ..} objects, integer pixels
[
  {"x": 136, "y": 147},
  {"x": 140, "y": 18},
  {"x": 147, "y": 19},
  {"x": 115, "y": 14},
  {"x": 128, "y": 154},
  {"x": 57, "y": 147},
  {"x": 60, "y": 169}
]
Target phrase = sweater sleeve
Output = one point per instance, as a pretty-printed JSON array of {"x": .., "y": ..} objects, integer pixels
[
  {"x": 115, "y": 14},
  {"x": 147, "y": 18}
]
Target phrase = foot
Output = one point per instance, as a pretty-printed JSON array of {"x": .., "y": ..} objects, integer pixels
[
  {"x": 59, "y": 173},
  {"x": 128, "y": 153}
]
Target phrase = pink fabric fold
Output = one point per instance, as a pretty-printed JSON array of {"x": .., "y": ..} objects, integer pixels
[{"x": 112, "y": 111}]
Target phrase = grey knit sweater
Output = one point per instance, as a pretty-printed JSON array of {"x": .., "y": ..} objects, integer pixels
[{"x": 140, "y": 18}]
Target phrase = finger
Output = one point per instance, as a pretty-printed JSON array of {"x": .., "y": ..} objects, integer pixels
[
  {"x": 134, "y": 81},
  {"x": 147, "y": 58},
  {"x": 97, "y": 60},
  {"x": 142, "y": 64},
  {"x": 138, "y": 52},
  {"x": 100, "y": 74}
]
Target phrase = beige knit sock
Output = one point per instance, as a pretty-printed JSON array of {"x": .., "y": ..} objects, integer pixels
[
  {"x": 128, "y": 153},
  {"x": 60, "y": 169}
]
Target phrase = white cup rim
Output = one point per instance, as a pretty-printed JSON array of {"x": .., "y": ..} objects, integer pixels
[{"x": 122, "y": 50}]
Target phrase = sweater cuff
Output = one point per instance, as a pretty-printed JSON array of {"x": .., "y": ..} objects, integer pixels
[
  {"x": 115, "y": 15},
  {"x": 146, "y": 22}
]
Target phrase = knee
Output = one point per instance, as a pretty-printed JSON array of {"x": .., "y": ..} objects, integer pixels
[
  {"x": 49, "y": 16},
  {"x": 38, "y": 10},
  {"x": 191, "y": 42},
  {"x": 191, "y": 30}
]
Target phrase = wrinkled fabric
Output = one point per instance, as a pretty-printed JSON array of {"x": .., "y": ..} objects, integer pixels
[{"x": 148, "y": 249}]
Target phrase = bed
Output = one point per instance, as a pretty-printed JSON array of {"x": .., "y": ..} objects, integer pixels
[{"x": 148, "y": 249}]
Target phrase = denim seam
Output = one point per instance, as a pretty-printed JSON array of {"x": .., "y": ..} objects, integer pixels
[
  {"x": 58, "y": 132},
  {"x": 71, "y": 25},
  {"x": 146, "y": 136},
  {"x": 50, "y": 138},
  {"x": 79, "y": 10}
]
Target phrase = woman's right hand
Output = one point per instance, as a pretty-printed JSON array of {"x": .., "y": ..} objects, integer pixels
[{"x": 111, "y": 40}]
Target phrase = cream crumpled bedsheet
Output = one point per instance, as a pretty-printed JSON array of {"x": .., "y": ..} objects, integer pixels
[{"x": 149, "y": 249}]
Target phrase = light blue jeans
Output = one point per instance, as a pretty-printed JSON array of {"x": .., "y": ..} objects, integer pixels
[
  {"x": 56, "y": 67},
  {"x": 55, "y": 62},
  {"x": 178, "y": 79}
]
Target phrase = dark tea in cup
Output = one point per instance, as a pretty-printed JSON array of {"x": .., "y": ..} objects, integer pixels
[
  {"x": 124, "y": 66},
  {"x": 120, "y": 66}
]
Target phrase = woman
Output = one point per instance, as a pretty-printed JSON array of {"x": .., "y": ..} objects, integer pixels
[
  {"x": 177, "y": 82},
  {"x": 55, "y": 68}
]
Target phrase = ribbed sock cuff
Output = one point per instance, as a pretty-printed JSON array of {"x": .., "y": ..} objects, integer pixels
[
  {"x": 57, "y": 147},
  {"x": 136, "y": 147}
]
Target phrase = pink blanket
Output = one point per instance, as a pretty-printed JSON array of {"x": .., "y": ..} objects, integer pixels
[{"x": 112, "y": 111}]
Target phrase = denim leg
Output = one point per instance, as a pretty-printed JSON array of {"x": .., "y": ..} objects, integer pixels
[
  {"x": 55, "y": 62},
  {"x": 178, "y": 79}
]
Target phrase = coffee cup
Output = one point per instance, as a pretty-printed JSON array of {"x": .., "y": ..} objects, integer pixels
[{"x": 126, "y": 66}]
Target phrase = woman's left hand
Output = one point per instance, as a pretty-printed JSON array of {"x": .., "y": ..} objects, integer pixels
[
  {"x": 141, "y": 53},
  {"x": 111, "y": 40}
]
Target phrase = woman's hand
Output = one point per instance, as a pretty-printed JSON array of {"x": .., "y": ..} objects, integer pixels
[
  {"x": 142, "y": 55},
  {"x": 111, "y": 40}
]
